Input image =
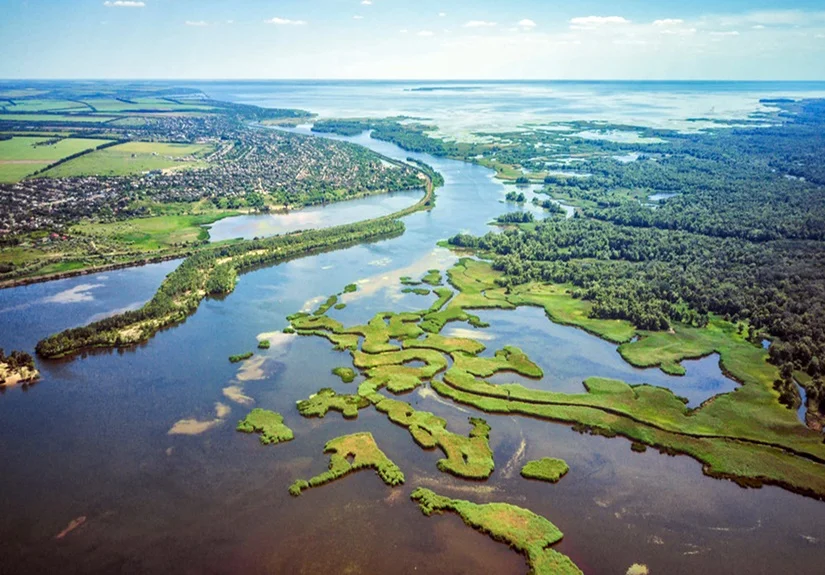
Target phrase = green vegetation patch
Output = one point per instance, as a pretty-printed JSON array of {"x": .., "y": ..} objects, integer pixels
[
  {"x": 546, "y": 469},
  {"x": 508, "y": 359},
  {"x": 269, "y": 424},
  {"x": 433, "y": 277},
  {"x": 416, "y": 291},
  {"x": 347, "y": 374},
  {"x": 21, "y": 156},
  {"x": 467, "y": 457},
  {"x": 523, "y": 530},
  {"x": 240, "y": 357},
  {"x": 326, "y": 306},
  {"x": 327, "y": 399},
  {"x": 154, "y": 233},
  {"x": 264, "y": 344},
  {"x": 352, "y": 453},
  {"x": 350, "y": 288},
  {"x": 133, "y": 158}
]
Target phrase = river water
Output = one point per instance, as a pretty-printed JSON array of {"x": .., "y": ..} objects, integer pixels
[{"x": 92, "y": 441}]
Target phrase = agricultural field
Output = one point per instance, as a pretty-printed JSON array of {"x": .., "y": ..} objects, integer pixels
[
  {"x": 133, "y": 158},
  {"x": 55, "y": 118},
  {"x": 143, "y": 105},
  {"x": 29, "y": 106},
  {"x": 23, "y": 155}
]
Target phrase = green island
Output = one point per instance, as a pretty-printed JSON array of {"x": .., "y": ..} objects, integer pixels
[
  {"x": 17, "y": 368},
  {"x": 347, "y": 374},
  {"x": 240, "y": 357},
  {"x": 264, "y": 344},
  {"x": 269, "y": 424},
  {"x": 547, "y": 469},
  {"x": 530, "y": 534},
  {"x": 351, "y": 453}
]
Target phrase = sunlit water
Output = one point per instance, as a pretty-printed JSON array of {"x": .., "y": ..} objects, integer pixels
[
  {"x": 91, "y": 439},
  {"x": 459, "y": 108}
]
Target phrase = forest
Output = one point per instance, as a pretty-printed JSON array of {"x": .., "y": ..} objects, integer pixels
[{"x": 742, "y": 239}]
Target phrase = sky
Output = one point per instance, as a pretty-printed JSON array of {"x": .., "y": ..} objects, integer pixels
[{"x": 420, "y": 39}]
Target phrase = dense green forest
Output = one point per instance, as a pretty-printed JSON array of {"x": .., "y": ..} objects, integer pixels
[{"x": 743, "y": 238}]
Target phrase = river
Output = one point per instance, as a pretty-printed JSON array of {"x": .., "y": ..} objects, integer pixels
[{"x": 92, "y": 439}]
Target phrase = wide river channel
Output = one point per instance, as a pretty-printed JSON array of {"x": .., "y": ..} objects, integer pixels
[{"x": 90, "y": 442}]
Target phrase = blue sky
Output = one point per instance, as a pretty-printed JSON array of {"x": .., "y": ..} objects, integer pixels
[{"x": 622, "y": 39}]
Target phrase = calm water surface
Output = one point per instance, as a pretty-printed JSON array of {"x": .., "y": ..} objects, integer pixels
[{"x": 91, "y": 439}]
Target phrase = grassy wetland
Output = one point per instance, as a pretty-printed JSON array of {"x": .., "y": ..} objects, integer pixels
[{"x": 746, "y": 436}]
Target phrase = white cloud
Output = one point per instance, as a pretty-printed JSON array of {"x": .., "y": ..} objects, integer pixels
[
  {"x": 367, "y": 3},
  {"x": 357, "y": 17},
  {"x": 285, "y": 22},
  {"x": 590, "y": 22},
  {"x": 442, "y": 14},
  {"x": 230, "y": 21},
  {"x": 527, "y": 23},
  {"x": 480, "y": 24},
  {"x": 404, "y": 31},
  {"x": 678, "y": 31},
  {"x": 200, "y": 23},
  {"x": 124, "y": 4},
  {"x": 729, "y": 33},
  {"x": 758, "y": 27},
  {"x": 426, "y": 33},
  {"x": 668, "y": 22}
]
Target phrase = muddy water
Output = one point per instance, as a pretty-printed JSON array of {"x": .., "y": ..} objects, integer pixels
[{"x": 91, "y": 440}]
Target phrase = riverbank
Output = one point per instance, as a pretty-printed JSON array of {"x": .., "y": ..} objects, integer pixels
[{"x": 213, "y": 271}]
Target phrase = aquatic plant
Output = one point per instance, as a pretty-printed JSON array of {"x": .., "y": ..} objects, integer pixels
[
  {"x": 528, "y": 533},
  {"x": 269, "y": 424},
  {"x": 347, "y": 374},
  {"x": 547, "y": 469},
  {"x": 352, "y": 453}
]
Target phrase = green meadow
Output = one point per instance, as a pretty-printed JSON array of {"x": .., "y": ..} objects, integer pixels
[
  {"x": 23, "y": 155},
  {"x": 133, "y": 158}
]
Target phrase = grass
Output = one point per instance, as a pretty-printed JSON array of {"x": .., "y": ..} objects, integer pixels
[
  {"x": 508, "y": 359},
  {"x": 319, "y": 404},
  {"x": 240, "y": 357},
  {"x": 28, "y": 106},
  {"x": 467, "y": 457},
  {"x": 133, "y": 158},
  {"x": 416, "y": 291},
  {"x": 264, "y": 344},
  {"x": 433, "y": 278},
  {"x": 350, "y": 288},
  {"x": 347, "y": 374},
  {"x": 446, "y": 344},
  {"x": 524, "y": 531},
  {"x": 268, "y": 424},
  {"x": 21, "y": 156},
  {"x": 547, "y": 469},
  {"x": 352, "y": 453},
  {"x": 387, "y": 369},
  {"x": 55, "y": 118},
  {"x": 155, "y": 233},
  {"x": 326, "y": 306}
]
